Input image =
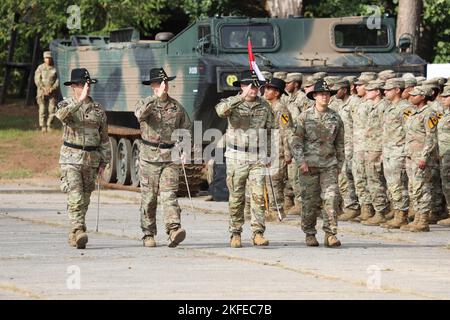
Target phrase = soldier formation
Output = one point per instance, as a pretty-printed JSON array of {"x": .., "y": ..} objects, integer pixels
[{"x": 373, "y": 149}]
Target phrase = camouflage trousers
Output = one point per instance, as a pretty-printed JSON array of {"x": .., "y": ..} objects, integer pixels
[
  {"x": 347, "y": 187},
  {"x": 437, "y": 195},
  {"x": 445, "y": 177},
  {"x": 359, "y": 176},
  {"x": 47, "y": 108},
  {"x": 293, "y": 176},
  {"x": 376, "y": 183},
  {"x": 78, "y": 182},
  {"x": 397, "y": 181},
  {"x": 238, "y": 172},
  {"x": 162, "y": 178},
  {"x": 419, "y": 186},
  {"x": 319, "y": 187}
]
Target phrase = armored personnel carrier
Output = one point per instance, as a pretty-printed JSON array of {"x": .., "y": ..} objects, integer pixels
[{"x": 208, "y": 56}]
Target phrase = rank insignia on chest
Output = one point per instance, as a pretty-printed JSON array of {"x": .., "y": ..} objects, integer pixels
[
  {"x": 284, "y": 118},
  {"x": 432, "y": 122}
]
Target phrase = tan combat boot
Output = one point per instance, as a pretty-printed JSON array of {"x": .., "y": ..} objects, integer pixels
[
  {"x": 390, "y": 215},
  {"x": 176, "y": 236},
  {"x": 331, "y": 240},
  {"x": 149, "y": 241},
  {"x": 422, "y": 224},
  {"x": 259, "y": 240},
  {"x": 444, "y": 222},
  {"x": 295, "y": 210},
  {"x": 400, "y": 219},
  {"x": 81, "y": 238},
  {"x": 311, "y": 240},
  {"x": 367, "y": 212},
  {"x": 235, "y": 241},
  {"x": 408, "y": 226},
  {"x": 349, "y": 214},
  {"x": 43, "y": 129},
  {"x": 376, "y": 220},
  {"x": 288, "y": 203},
  {"x": 72, "y": 239}
]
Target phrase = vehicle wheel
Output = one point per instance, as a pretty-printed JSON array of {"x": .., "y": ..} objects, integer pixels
[
  {"x": 123, "y": 162},
  {"x": 135, "y": 163},
  {"x": 109, "y": 174}
]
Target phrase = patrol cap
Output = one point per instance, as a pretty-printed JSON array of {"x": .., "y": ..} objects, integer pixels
[
  {"x": 410, "y": 82},
  {"x": 319, "y": 75},
  {"x": 408, "y": 75},
  {"x": 267, "y": 74},
  {"x": 351, "y": 79},
  {"x": 331, "y": 80},
  {"x": 369, "y": 73},
  {"x": 386, "y": 74},
  {"x": 342, "y": 83},
  {"x": 422, "y": 91},
  {"x": 294, "y": 76},
  {"x": 420, "y": 79},
  {"x": 375, "y": 85},
  {"x": 365, "y": 78},
  {"x": 280, "y": 75},
  {"x": 446, "y": 92},
  {"x": 47, "y": 54},
  {"x": 433, "y": 83},
  {"x": 394, "y": 83},
  {"x": 310, "y": 81}
]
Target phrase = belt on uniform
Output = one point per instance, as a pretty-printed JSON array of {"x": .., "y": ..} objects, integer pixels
[
  {"x": 159, "y": 145},
  {"x": 84, "y": 148},
  {"x": 245, "y": 149}
]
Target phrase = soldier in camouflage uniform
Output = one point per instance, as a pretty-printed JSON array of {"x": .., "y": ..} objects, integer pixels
[
  {"x": 386, "y": 75},
  {"x": 443, "y": 132},
  {"x": 85, "y": 152},
  {"x": 359, "y": 116},
  {"x": 159, "y": 116},
  {"x": 351, "y": 208},
  {"x": 250, "y": 120},
  {"x": 273, "y": 92},
  {"x": 280, "y": 75},
  {"x": 394, "y": 152},
  {"x": 373, "y": 159},
  {"x": 317, "y": 143},
  {"x": 410, "y": 83},
  {"x": 421, "y": 156},
  {"x": 47, "y": 84}
]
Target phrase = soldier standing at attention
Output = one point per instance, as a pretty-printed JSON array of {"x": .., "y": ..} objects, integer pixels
[
  {"x": 47, "y": 84},
  {"x": 443, "y": 130},
  {"x": 273, "y": 92},
  {"x": 159, "y": 115},
  {"x": 394, "y": 152},
  {"x": 85, "y": 153},
  {"x": 317, "y": 143},
  {"x": 421, "y": 156},
  {"x": 249, "y": 119}
]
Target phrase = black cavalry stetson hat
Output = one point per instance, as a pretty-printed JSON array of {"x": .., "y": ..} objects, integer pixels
[
  {"x": 157, "y": 75},
  {"x": 320, "y": 86},
  {"x": 277, "y": 83},
  {"x": 248, "y": 77},
  {"x": 80, "y": 75}
]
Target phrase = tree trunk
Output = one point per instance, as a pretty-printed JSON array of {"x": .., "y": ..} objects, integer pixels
[
  {"x": 284, "y": 8},
  {"x": 408, "y": 19}
]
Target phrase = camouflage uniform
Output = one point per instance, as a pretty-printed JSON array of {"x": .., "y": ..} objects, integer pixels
[
  {"x": 85, "y": 126},
  {"x": 45, "y": 77},
  {"x": 242, "y": 158},
  {"x": 318, "y": 139},
  {"x": 443, "y": 133},
  {"x": 157, "y": 173}
]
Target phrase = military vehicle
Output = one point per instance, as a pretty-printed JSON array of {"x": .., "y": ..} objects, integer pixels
[{"x": 209, "y": 55}]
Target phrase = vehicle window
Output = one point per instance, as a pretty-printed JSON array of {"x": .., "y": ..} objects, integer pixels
[
  {"x": 359, "y": 35},
  {"x": 235, "y": 36}
]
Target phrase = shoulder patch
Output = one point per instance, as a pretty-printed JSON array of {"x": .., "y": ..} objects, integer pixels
[
  {"x": 439, "y": 115},
  {"x": 407, "y": 113},
  {"x": 432, "y": 122},
  {"x": 284, "y": 118}
]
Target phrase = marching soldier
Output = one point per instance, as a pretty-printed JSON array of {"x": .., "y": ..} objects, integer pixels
[
  {"x": 317, "y": 143},
  {"x": 159, "y": 116},
  {"x": 85, "y": 152},
  {"x": 443, "y": 131},
  {"x": 421, "y": 156},
  {"x": 47, "y": 84},
  {"x": 249, "y": 118},
  {"x": 410, "y": 83}
]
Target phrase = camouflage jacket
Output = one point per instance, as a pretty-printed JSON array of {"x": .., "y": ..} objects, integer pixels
[
  {"x": 242, "y": 116},
  {"x": 295, "y": 103},
  {"x": 283, "y": 119},
  {"x": 318, "y": 139},
  {"x": 45, "y": 77},
  {"x": 421, "y": 137},
  {"x": 343, "y": 109},
  {"x": 437, "y": 107},
  {"x": 359, "y": 115},
  {"x": 393, "y": 130},
  {"x": 443, "y": 132},
  {"x": 374, "y": 130},
  {"x": 84, "y": 125},
  {"x": 158, "y": 120}
]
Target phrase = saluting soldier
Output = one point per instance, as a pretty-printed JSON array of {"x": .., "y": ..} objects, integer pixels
[
  {"x": 84, "y": 153},
  {"x": 159, "y": 115}
]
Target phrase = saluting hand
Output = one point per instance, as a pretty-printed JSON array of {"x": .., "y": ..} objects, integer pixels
[
  {"x": 84, "y": 93},
  {"x": 161, "y": 90},
  {"x": 245, "y": 91}
]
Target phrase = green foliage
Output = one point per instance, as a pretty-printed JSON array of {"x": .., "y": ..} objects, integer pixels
[{"x": 437, "y": 23}]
